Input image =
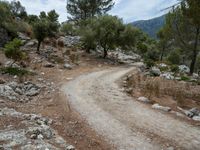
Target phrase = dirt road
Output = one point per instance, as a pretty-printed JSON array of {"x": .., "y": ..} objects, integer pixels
[{"x": 123, "y": 121}]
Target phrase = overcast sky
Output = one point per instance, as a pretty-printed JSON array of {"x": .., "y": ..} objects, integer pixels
[{"x": 129, "y": 10}]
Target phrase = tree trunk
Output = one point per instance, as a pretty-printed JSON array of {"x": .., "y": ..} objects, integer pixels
[
  {"x": 88, "y": 50},
  {"x": 38, "y": 46},
  {"x": 162, "y": 53},
  {"x": 105, "y": 53},
  {"x": 194, "y": 56}
]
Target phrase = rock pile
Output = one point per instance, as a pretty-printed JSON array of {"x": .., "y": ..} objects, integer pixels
[
  {"x": 37, "y": 133},
  {"x": 14, "y": 91},
  {"x": 193, "y": 113},
  {"x": 69, "y": 41},
  {"x": 124, "y": 58}
]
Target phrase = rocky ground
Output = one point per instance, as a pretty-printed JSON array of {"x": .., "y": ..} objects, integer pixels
[
  {"x": 72, "y": 100},
  {"x": 34, "y": 114}
]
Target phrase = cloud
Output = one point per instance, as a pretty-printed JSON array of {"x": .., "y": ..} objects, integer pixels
[
  {"x": 132, "y": 10},
  {"x": 36, "y": 6},
  {"x": 129, "y": 10}
]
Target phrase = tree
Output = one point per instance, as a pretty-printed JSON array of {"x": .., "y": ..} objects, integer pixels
[
  {"x": 18, "y": 10},
  {"x": 47, "y": 25},
  {"x": 5, "y": 12},
  {"x": 108, "y": 32},
  {"x": 184, "y": 24},
  {"x": 164, "y": 41},
  {"x": 52, "y": 18},
  {"x": 67, "y": 28},
  {"x": 40, "y": 30},
  {"x": 84, "y": 9},
  {"x": 128, "y": 36},
  {"x": 191, "y": 9},
  {"x": 31, "y": 19},
  {"x": 12, "y": 50}
]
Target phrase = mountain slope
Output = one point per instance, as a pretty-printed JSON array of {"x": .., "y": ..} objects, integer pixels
[{"x": 152, "y": 26}]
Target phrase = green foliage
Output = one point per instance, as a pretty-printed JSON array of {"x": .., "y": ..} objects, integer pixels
[
  {"x": 174, "y": 68},
  {"x": 47, "y": 25},
  {"x": 149, "y": 63},
  {"x": 68, "y": 29},
  {"x": 152, "y": 54},
  {"x": 184, "y": 26},
  {"x": 31, "y": 19},
  {"x": 40, "y": 30},
  {"x": 128, "y": 37},
  {"x": 15, "y": 71},
  {"x": 52, "y": 19},
  {"x": 174, "y": 58},
  {"x": 12, "y": 50},
  {"x": 185, "y": 78},
  {"x": 108, "y": 32},
  {"x": 18, "y": 10},
  {"x": 5, "y": 12},
  {"x": 198, "y": 63},
  {"x": 84, "y": 9},
  {"x": 142, "y": 47}
]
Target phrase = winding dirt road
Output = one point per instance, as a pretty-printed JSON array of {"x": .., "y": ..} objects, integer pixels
[{"x": 124, "y": 122}]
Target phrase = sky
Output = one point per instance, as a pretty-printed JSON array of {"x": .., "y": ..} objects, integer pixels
[{"x": 129, "y": 10}]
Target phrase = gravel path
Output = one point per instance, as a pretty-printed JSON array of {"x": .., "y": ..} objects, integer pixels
[{"x": 123, "y": 121}]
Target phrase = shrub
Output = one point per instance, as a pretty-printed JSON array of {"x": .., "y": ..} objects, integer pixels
[
  {"x": 40, "y": 30},
  {"x": 174, "y": 58},
  {"x": 12, "y": 50},
  {"x": 15, "y": 71},
  {"x": 68, "y": 29},
  {"x": 142, "y": 48},
  {"x": 185, "y": 78},
  {"x": 24, "y": 28},
  {"x": 174, "y": 68},
  {"x": 152, "y": 55},
  {"x": 149, "y": 63}
]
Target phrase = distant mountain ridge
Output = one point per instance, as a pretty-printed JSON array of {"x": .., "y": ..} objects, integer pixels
[{"x": 151, "y": 26}]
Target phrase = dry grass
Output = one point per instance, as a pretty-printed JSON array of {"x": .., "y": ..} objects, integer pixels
[{"x": 179, "y": 91}]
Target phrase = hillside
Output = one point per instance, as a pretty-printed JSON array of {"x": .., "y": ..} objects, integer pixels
[{"x": 151, "y": 26}]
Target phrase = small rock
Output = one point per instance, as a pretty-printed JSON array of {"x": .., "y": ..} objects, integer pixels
[
  {"x": 144, "y": 100},
  {"x": 195, "y": 111},
  {"x": 49, "y": 65},
  {"x": 167, "y": 76},
  {"x": 155, "y": 71},
  {"x": 2, "y": 81},
  {"x": 40, "y": 136},
  {"x": 170, "y": 148},
  {"x": 70, "y": 147},
  {"x": 67, "y": 66},
  {"x": 129, "y": 90},
  {"x": 196, "y": 118},
  {"x": 184, "y": 69},
  {"x": 157, "y": 106},
  {"x": 33, "y": 136}
]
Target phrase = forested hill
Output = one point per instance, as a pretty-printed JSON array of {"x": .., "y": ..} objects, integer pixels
[{"x": 152, "y": 26}]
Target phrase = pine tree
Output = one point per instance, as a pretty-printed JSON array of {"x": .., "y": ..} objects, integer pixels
[{"x": 84, "y": 9}]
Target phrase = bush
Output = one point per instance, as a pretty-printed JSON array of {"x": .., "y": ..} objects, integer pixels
[
  {"x": 12, "y": 50},
  {"x": 185, "y": 78},
  {"x": 24, "y": 28},
  {"x": 68, "y": 29},
  {"x": 142, "y": 48},
  {"x": 174, "y": 68},
  {"x": 174, "y": 58},
  {"x": 152, "y": 55},
  {"x": 15, "y": 71},
  {"x": 149, "y": 63}
]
